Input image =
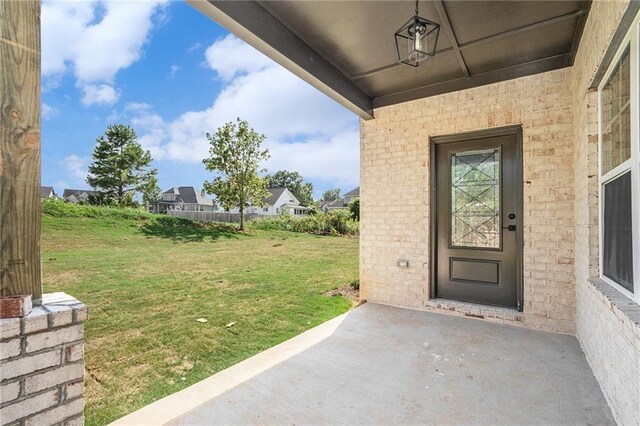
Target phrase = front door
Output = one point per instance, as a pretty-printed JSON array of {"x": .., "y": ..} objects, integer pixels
[{"x": 478, "y": 197}]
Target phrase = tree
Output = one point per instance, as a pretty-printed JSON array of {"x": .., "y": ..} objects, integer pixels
[
  {"x": 354, "y": 208},
  {"x": 234, "y": 152},
  {"x": 151, "y": 192},
  {"x": 98, "y": 199},
  {"x": 295, "y": 183},
  {"x": 120, "y": 166},
  {"x": 331, "y": 194}
]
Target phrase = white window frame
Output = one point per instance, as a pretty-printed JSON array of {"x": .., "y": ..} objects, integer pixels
[{"x": 631, "y": 40}]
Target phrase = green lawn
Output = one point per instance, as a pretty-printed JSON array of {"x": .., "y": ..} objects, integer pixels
[{"x": 146, "y": 282}]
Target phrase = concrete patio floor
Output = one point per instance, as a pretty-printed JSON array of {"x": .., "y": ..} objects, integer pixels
[{"x": 385, "y": 365}]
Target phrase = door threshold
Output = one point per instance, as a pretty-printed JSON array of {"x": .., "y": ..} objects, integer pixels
[{"x": 476, "y": 310}]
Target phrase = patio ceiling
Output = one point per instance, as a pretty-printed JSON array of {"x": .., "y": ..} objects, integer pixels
[{"x": 346, "y": 48}]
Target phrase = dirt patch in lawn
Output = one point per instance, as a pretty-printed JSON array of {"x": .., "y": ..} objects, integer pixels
[
  {"x": 62, "y": 279},
  {"x": 183, "y": 368},
  {"x": 346, "y": 291}
]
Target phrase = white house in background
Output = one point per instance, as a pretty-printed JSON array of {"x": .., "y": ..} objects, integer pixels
[
  {"x": 341, "y": 203},
  {"x": 48, "y": 192},
  {"x": 183, "y": 198},
  {"x": 280, "y": 200}
]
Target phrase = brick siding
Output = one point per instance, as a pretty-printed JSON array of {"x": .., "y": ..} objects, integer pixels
[
  {"x": 558, "y": 113},
  {"x": 607, "y": 327},
  {"x": 395, "y": 191},
  {"x": 42, "y": 364}
]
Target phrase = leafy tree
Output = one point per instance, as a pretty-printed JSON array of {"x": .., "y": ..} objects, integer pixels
[
  {"x": 151, "y": 192},
  {"x": 98, "y": 199},
  {"x": 235, "y": 153},
  {"x": 295, "y": 183},
  {"x": 120, "y": 166},
  {"x": 331, "y": 194},
  {"x": 354, "y": 208}
]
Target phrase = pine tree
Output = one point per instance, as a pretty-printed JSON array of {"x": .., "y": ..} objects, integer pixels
[
  {"x": 120, "y": 166},
  {"x": 150, "y": 190}
]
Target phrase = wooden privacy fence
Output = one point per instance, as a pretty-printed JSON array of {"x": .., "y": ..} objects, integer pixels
[{"x": 211, "y": 216}]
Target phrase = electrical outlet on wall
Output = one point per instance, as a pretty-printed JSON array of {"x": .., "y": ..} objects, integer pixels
[{"x": 403, "y": 263}]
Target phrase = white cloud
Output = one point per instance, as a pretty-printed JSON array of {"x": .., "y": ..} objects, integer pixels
[
  {"x": 231, "y": 57},
  {"x": 137, "y": 107},
  {"x": 62, "y": 24},
  {"x": 194, "y": 47},
  {"x": 306, "y": 131},
  {"x": 94, "y": 39},
  {"x": 150, "y": 128},
  {"x": 76, "y": 168},
  {"x": 332, "y": 158},
  {"x": 99, "y": 94},
  {"x": 173, "y": 71},
  {"x": 47, "y": 111},
  {"x": 60, "y": 186}
]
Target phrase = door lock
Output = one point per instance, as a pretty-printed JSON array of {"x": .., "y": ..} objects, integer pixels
[{"x": 509, "y": 228}]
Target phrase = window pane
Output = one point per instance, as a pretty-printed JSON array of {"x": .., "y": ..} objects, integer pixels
[
  {"x": 475, "y": 199},
  {"x": 617, "y": 250},
  {"x": 616, "y": 116}
]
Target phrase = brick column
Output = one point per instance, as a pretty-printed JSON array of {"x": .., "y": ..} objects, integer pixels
[{"x": 42, "y": 364}]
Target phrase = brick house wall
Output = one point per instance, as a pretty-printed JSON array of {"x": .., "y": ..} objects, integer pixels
[
  {"x": 395, "y": 192},
  {"x": 608, "y": 330},
  {"x": 558, "y": 113}
]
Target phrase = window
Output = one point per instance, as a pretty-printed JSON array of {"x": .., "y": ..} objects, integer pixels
[
  {"x": 620, "y": 168},
  {"x": 265, "y": 209}
]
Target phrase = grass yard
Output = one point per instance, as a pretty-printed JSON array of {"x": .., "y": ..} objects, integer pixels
[{"x": 147, "y": 280}]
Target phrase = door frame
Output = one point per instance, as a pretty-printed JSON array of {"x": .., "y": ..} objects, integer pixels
[{"x": 516, "y": 131}]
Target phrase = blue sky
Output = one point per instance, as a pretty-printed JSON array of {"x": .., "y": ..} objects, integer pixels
[{"x": 173, "y": 75}]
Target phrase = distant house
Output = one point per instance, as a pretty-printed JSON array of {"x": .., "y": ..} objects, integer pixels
[
  {"x": 280, "y": 200},
  {"x": 78, "y": 195},
  {"x": 351, "y": 195},
  {"x": 47, "y": 192},
  {"x": 183, "y": 198},
  {"x": 341, "y": 203}
]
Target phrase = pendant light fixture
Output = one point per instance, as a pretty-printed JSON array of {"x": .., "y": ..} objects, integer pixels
[{"x": 416, "y": 40}]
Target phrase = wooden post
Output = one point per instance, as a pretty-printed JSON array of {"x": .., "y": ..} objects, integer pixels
[{"x": 20, "y": 205}]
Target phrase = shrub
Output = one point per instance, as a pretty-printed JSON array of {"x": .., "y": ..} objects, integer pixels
[
  {"x": 355, "y": 284},
  {"x": 59, "y": 208},
  {"x": 354, "y": 209},
  {"x": 337, "y": 222}
]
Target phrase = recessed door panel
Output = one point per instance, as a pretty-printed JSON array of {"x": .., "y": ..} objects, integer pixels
[
  {"x": 478, "y": 271},
  {"x": 477, "y": 219}
]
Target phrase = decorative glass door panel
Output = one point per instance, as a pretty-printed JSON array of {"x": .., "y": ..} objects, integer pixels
[{"x": 475, "y": 199}]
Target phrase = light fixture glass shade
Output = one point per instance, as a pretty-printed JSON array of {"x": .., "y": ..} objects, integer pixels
[{"x": 416, "y": 40}]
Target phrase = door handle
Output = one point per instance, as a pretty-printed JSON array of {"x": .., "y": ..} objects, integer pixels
[{"x": 509, "y": 228}]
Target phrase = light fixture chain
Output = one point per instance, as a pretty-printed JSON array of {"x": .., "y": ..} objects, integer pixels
[{"x": 417, "y": 7}]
